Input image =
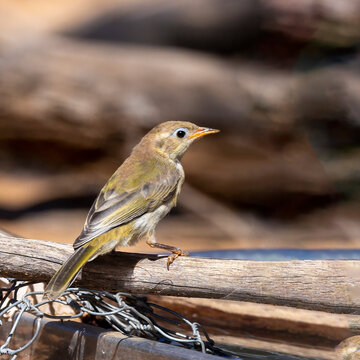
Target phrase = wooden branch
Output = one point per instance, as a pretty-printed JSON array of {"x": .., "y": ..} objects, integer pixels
[
  {"x": 74, "y": 85},
  {"x": 238, "y": 24},
  {"x": 319, "y": 285},
  {"x": 207, "y": 29},
  {"x": 306, "y": 333},
  {"x": 296, "y": 326},
  {"x": 78, "y": 86}
]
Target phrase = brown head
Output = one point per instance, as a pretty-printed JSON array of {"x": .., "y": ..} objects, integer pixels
[{"x": 174, "y": 137}]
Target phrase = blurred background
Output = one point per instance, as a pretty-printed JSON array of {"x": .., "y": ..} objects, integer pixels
[{"x": 81, "y": 82}]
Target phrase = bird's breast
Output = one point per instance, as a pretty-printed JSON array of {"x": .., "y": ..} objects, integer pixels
[{"x": 147, "y": 222}]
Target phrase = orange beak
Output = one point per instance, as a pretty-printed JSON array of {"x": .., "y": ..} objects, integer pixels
[{"x": 202, "y": 132}]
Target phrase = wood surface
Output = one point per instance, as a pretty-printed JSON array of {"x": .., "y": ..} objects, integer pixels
[
  {"x": 236, "y": 27},
  {"x": 332, "y": 286},
  {"x": 263, "y": 321},
  {"x": 313, "y": 334}
]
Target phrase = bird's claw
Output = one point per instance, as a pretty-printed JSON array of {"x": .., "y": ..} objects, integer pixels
[{"x": 174, "y": 255}]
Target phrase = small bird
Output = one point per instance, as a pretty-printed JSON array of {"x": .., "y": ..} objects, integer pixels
[{"x": 136, "y": 197}]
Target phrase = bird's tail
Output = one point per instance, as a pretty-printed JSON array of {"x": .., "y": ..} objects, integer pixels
[{"x": 68, "y": 271}]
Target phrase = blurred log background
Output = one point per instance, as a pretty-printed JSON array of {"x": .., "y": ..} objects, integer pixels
[{"x": 80, "y": 83}]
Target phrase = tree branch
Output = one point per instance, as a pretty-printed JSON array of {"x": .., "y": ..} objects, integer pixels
[{"x": 319, "y": 285}]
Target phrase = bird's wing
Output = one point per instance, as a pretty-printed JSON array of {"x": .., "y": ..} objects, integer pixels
[{"x": 121, "y": 204}]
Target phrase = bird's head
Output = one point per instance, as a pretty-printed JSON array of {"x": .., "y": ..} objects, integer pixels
[{"x": 174, "y": 137}]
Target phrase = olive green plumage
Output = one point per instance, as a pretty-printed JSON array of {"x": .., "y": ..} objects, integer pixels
[{"x": 136, "y": 197}]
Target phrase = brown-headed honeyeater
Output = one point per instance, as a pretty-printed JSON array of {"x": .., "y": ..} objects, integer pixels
[{"x": 136, "y": 197}]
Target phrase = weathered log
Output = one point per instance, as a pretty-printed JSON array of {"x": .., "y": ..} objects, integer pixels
[
  {"x": 348, "y": 349},
  {"x": 329, "y": 22},
  {"x": 231, "y": 26},
  {"x": 72, "y": 85},
  {"x": 273, "y": 322},
  {"x": 93, "y": 90},
  {"x": 207, "y": 25},
  {"x": 319, "y": 285}
]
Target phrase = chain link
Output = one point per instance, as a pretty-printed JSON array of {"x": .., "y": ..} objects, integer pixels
[{"x": 126, "y": 313}]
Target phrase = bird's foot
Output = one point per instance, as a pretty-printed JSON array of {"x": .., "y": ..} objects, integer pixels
[{"x": 175, "y": 254}]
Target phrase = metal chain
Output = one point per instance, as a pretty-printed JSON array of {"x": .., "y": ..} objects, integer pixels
[{"x": 126, "y": 313}]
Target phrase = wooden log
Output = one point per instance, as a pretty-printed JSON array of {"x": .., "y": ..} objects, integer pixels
[
  {"x": 319, "y": 285},
  {"x": 63, "y": 83},
  {"x": 311, "y": 333},
  {"x": 208, "y": 29},
  {"x": 109, "y": 92},
  {"x": 348, "y": 349},
  {"x": 199, "y": 25}
]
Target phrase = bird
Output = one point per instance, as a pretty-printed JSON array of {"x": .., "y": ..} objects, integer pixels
[{"x": 136, "y": 197}]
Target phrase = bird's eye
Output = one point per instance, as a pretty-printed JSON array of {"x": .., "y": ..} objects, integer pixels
[{"x": 180, "y": 133}]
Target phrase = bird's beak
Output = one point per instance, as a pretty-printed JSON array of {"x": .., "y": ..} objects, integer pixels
[{"x": 202, "y": 132}]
